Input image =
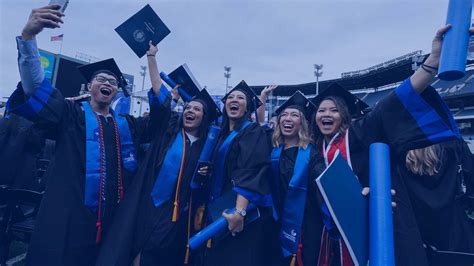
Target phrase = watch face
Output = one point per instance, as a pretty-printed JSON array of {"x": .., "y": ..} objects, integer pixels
[{"x": 243, "y": 212}]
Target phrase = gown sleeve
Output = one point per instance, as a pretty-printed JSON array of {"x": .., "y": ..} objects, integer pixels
[
  {"x": 46, "y": 107},
  {"x": 143, "y": 129},
  {"x": 249, "y": 177},
  {"x": 407, "y": 120}
]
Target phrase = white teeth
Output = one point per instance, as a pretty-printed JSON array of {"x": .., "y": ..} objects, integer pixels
[
  {"x": 327, "y": 121},
  {"x": 234, "y": 106},
  {"x": 287, "y": 125}
]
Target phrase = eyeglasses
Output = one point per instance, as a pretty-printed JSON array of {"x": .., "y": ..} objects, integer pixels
[{"x": 102, "y": 79}]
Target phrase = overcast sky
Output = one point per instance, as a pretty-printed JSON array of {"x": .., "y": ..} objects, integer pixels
[{"x": 265, "y": 42}]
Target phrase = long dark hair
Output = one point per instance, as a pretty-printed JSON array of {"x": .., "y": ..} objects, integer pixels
[
  {"x": 346, "y": 119},
  {"x": 203, "y": 128}
]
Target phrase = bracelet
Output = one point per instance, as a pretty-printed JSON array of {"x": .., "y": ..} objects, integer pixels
[
  {"x": 150, "y": 55},
  {"x": 430, "y": 67},
  {"x": 427, "y": 70}
]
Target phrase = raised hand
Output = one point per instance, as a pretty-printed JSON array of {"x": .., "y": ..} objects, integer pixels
[
  {"x": 40, "y": 18},
  {"x": 267, "y": 90},
  {"x": 152, "y": 50},
  {"x": 175, "y": 93},
  {"x": 436, "y": 46}
]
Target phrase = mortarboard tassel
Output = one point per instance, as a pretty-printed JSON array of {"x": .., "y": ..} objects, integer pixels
[
  {"x": 186, "y": 258},
  {"x": 190, "y": 211},
  {"x": 293, "y": 260},
  {"x": 175, "y": 211},
  {"x": 99, "y": 232},
  {"x": 180, "y": 177}
]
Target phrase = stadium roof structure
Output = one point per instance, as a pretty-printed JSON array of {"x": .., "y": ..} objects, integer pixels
[
  {"x": 457, "y": 93},
  {"x": 390, "y": 72}
]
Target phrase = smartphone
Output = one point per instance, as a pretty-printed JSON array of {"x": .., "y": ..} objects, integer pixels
[{"x": 62, "y": 3}]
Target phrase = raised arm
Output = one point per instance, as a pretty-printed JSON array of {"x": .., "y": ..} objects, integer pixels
[
  {"x": 153, "y": 69},
  {"x": 29, "y": 64},
  {"x": 175, "y": 97}
]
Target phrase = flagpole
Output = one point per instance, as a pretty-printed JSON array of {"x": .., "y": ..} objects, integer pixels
[{"x": 61, "y": 45}]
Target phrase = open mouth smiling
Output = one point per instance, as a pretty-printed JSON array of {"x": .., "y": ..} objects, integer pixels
[
  {"x": 105, "y": 91},
  {"x": 234, "y": 107},
  {"x": 327, "y": 122}
]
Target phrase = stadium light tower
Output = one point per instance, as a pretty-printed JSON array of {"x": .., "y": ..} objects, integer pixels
[
  {"x": 227, "y": 76},
  {"x": 143, "y": 74},
  {"x": 318, "y": 73}
]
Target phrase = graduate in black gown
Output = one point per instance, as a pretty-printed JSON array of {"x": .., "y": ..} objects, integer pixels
[
  {"x": 154, "y": 223},
  {"x": 241, "y": 162},
  {"x": 439, "y": 181},
  {"x": 95, "y": 151},
  {"x": 295, "y": 163},
  {"x": 413, "y": 116},
  {"x": 20, "y": 146}
]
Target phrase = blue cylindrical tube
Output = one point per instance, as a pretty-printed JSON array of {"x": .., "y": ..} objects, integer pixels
[
  {"x": 209, "y": 232},
  {"x": 186, "y": 97},
  {"x": 210, "y": 143},
  {"x": 381, "y": 225},
  {"x": 217, "y": 227},
  {"x": 454, "y": 53},
  {"x": 206, "y": 153}
]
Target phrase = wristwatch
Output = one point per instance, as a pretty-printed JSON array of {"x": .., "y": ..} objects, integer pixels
[{"x": 242, "y": 212}]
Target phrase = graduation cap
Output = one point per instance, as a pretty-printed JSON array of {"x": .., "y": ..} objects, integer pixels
[
  {"x": 183, "y": 76},
  {"x": 243, "y": 87},
  {"x": 88, "y": 71},
  {"x": 300, "y": 102},
  {"x": 212, "y": 109},
  {"x": 143, "y": 27},
  {"x": 355, "y": 105}
]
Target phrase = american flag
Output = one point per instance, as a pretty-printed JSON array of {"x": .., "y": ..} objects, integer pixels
[{"x": 57, "y": 38}]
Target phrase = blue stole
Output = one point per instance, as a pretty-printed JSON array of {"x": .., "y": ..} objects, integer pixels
[
  {"x": 295, "y": 200},
  {"x": 169, "y": 171},
  {"x": 219, "y": 162},
  {"x": 94, "y": 155}
]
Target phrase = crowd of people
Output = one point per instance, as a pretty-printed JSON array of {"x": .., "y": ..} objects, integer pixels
[{"x": 109, "y": 203}]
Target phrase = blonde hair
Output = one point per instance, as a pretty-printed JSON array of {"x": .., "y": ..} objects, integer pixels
[
  {"x": 303, "y": 133},
  {"x": 425, "y": 161}
]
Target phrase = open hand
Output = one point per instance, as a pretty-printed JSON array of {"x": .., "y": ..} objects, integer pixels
[{"x": 267, "y": 90}]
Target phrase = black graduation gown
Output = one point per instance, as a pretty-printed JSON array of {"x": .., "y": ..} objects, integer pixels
[
  {"x": 139, "y": 226},
  {"x": 393, "y": 121},
  {"x": 439, "y": 213},
  {"x": 160, "y": 240},
  {"x": 65, "y": 230},
  {"x": 246, "y": 166},
  {"x": 312, "y": 220},
  {"x": 20, "y": 145}
]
